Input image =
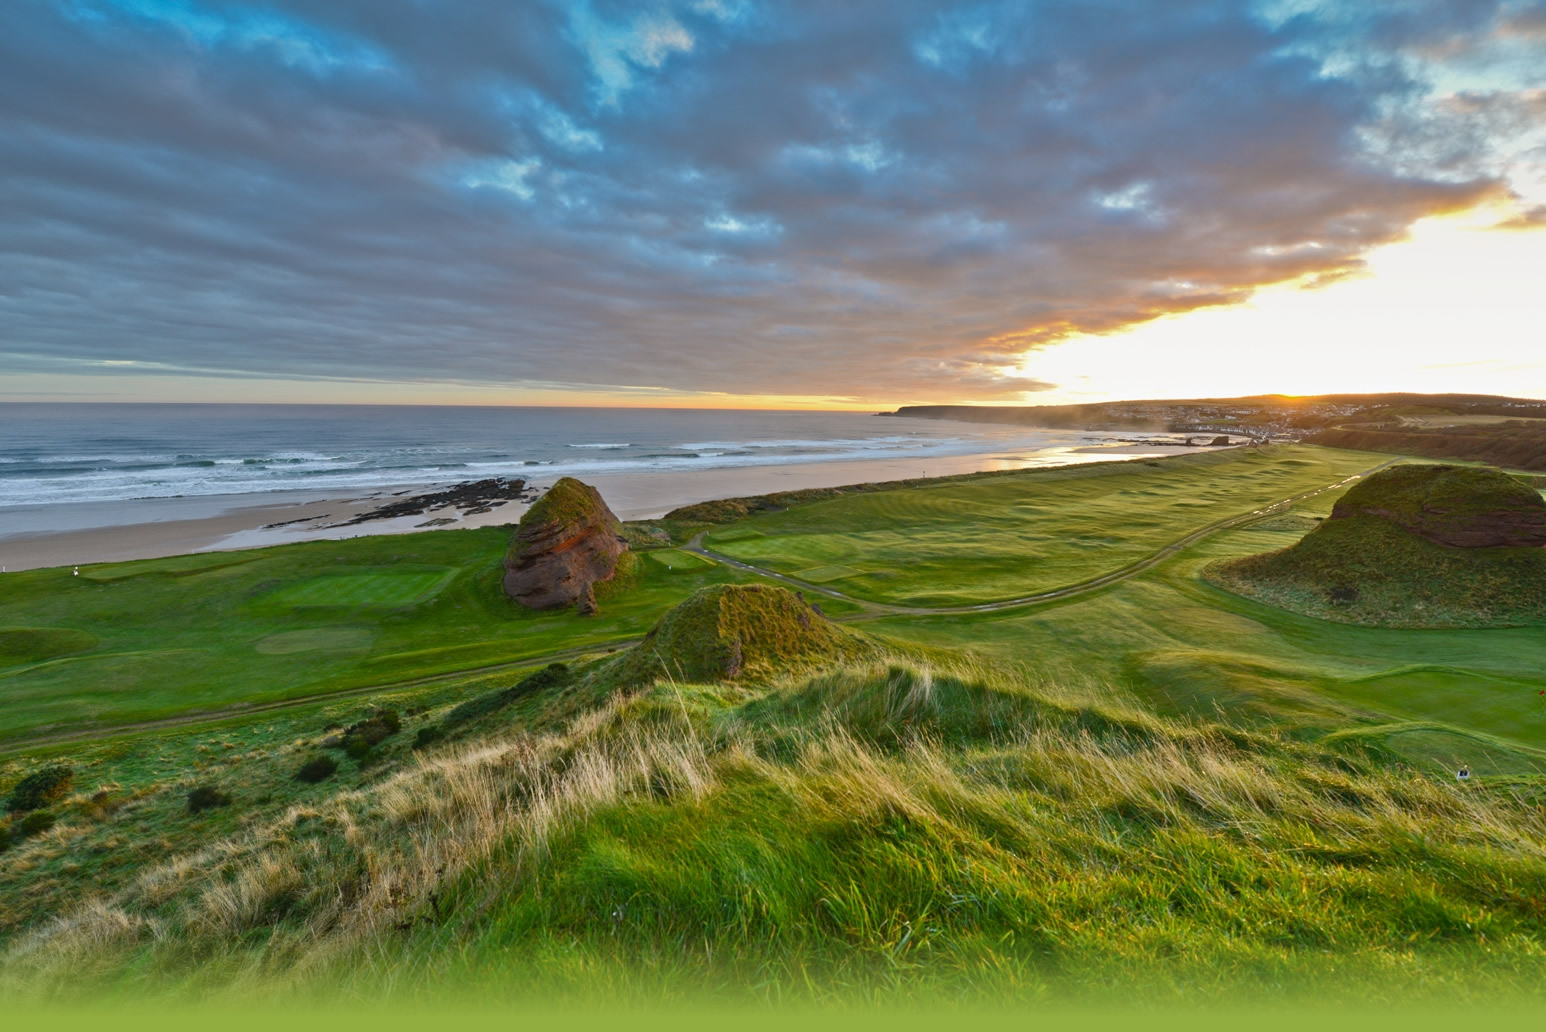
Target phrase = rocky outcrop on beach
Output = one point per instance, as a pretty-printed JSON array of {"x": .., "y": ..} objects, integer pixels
[
  {"x": 472, "y": 497},
  {"x": 565, "y": 544},
  {"x": 1458, "y": 506}
]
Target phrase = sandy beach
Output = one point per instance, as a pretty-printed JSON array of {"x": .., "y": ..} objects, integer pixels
[{"x": 32, "y": 537}]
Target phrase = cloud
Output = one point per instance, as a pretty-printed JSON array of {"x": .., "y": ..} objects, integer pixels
[
  {"x": 1528, "y": 218},
  {"x": 879, "y": 199}
]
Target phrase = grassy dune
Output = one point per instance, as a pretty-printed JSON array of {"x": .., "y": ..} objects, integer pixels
[
  {"x": 1006, "y": 536},
  {"x": 1414, "y": 545},
  {"x": 1366, "y": 570},
  {"x": 884, "y": 831}
]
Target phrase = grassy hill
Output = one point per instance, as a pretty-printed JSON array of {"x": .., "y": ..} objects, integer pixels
[
  {"x": 1512, "y": 444},
  {"x": 1367, "y": 570},
  {"x": 1374, "y": 562},
  {"x": 732, "y": 632}
]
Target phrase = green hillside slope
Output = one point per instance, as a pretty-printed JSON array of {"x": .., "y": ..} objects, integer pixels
[{"x": 1392, "y": 554}]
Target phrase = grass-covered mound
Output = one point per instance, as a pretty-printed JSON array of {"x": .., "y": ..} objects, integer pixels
[
  {"x": 1401, "y": 549},
  {"x": 1461, "y": 506},
  {"x": 873, "y": 831},
  {"x": 735, "y": 631}
]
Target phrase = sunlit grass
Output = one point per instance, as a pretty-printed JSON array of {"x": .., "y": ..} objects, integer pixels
[
  {"x": 1003, "y": 537},
  {"x": 892, "y": 830}
]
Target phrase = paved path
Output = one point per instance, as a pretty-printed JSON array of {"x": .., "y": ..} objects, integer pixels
[{"x": 1055, "y": 594}]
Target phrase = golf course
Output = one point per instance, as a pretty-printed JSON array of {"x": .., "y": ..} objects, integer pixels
[{"x": 996, "y": 736}]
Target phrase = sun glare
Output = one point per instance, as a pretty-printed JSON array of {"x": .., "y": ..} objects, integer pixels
[{"x": 1458, "y": 306}]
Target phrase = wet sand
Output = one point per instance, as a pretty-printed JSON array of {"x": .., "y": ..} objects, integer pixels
[{"x": 41, "y": 536}]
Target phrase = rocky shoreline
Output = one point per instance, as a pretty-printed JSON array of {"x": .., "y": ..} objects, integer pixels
[{"x": 469, "y": 498}]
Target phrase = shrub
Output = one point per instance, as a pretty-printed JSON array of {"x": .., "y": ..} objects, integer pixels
[
  {"x": 318, "y": 768},
  {"x": 35, "y": 823},
  {"x": 382, "y": 724},
  {"x": 206, "y": 797},
  {"x": 358, "y": 739},
  {"x": 428, "y": 735},
  {"x": 40, "y": 788}
]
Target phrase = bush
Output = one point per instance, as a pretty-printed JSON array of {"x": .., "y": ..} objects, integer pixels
[
  {"x": 318, "y": 768},
  {"x": 35, "y": 823},
  {"x": 13, "y": 833},
  {"x": 428, "y": 735},
  {"x": 206, "y": 797},
  {"x": 358, "y": 739},
  {"x": 40, "y": 788}
]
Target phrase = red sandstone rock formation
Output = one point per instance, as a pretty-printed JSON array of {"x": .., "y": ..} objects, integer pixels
[{"x": 566, "y": 542}]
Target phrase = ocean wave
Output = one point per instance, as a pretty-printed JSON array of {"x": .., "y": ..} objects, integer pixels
[
  {"x": 891, "y": 441},
  {"x": 240, "y": 455}
]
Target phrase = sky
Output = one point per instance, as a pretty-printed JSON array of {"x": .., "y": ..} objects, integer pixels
[{"x": 734, "y": 203}]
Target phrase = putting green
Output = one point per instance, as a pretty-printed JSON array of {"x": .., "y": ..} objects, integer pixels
[
  {"x": 1450, "y": 749},
  {"x": 376, "y": 589},
  {"x": 675, "y": 560}
]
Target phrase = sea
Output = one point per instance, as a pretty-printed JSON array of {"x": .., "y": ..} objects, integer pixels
[{"x": 53, "y": 454}]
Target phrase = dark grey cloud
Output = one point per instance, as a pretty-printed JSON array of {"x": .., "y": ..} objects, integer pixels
[{"x": 876, "y": 199}]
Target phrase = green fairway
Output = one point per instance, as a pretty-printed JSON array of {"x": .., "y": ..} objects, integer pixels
[
  {"x": 378, "y": 588},
  {"x": 198, "y": 562},
  {"x": 149, "y": 640},
  {"x": 1008, "y": 536}
]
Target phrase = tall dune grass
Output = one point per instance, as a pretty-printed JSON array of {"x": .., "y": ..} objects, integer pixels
[{"x": 891, "y": 829}]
